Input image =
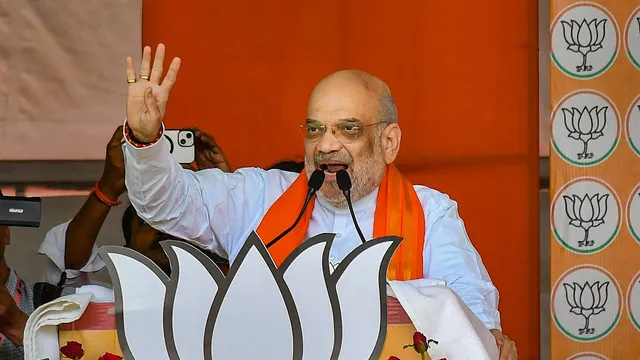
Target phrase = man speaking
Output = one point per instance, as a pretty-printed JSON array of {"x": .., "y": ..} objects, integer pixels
[{"x": 352, "y": 125}]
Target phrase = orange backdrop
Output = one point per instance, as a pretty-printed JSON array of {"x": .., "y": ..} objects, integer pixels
[{"x": 464, "y": 75}]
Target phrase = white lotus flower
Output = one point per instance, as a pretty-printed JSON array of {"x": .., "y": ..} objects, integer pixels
[
  {"x": 584, "y": 38},
  {"x": 587, "y": 300},
  {"x": 586, "y": 213},
  {"x": 585, "y": 125},
  {"x": 299, "y": 311}
]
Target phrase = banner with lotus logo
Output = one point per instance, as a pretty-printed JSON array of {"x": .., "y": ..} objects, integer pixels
[
  {"x": 595, "y": 179},
  {"x": 302, "y": 310}
]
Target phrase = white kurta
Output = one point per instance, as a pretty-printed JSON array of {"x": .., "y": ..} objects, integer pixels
[{"x": 217, "y": 211}]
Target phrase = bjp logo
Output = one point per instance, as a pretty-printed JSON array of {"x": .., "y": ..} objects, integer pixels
[
  {"x": 585, "y": 40},
  {"x": 299, "y": 311}
]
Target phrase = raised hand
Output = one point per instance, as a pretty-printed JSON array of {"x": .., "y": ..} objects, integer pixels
[{"x": 147, "y": 96}]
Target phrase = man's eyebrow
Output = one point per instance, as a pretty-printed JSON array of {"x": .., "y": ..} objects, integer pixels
[{"x": 349, "y": 120}]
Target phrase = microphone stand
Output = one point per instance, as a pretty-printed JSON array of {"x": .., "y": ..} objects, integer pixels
[
  {"x": 306, "y": 203},
  {"x": 347, "y": 194}
]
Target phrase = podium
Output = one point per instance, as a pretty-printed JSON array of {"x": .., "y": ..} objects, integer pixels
[{"x": 300, "y": 310}]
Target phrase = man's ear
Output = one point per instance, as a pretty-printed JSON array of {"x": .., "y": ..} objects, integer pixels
[{"x": 391, "y": 137}]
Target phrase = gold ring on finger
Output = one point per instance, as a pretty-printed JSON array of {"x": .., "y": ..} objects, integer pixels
[
  {"x": 131, "y": 81},
  {"x": 144, "y": 77}
]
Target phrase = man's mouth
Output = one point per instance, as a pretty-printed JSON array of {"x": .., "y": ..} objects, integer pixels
[{"x": 332, "y": 168}]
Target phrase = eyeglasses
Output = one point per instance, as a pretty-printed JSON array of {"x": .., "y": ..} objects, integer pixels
[{"x": 343, "y": 131}]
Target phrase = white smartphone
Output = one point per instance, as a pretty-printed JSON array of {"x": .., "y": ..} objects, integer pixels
[{"x": 181, "y": 145}]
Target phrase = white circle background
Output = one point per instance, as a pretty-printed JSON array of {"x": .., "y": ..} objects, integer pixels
[
  {"x": 599, "y": 147},
  {"x": 572, "y": 322},
  {"x": 599, "y": 59},
  {"x": 633, "y": 129},
  {"x": 633, "y": 218},
  {"x": 633, "y": 301},
  {"x": 571, "y": 234},
  {"x": 632, "y": 41}
]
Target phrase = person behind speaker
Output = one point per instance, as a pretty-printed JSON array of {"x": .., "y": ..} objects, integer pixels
[
  {"x": 71, "y": 246},
  {"x": 18, "y": 300},
  {"x": 352, "y": 124}
]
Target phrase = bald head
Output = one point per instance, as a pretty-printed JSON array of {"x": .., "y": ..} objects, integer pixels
[{"x": 363, "y": 85}]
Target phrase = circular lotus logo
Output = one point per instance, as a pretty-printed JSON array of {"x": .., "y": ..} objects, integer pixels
[
  {"x": 588, "y": 356},
  {"x": 633, "y": 213},
  {"x": 585, "y": 128},
  {"x": 585, "y": 215},
  {"x": 633, "y": 301},
  {"x": 584, "y": 40},
  {"x": 632, "y": 37},
  {"x": 586, "y": 303},
  {"x": 633, "y": 125}
]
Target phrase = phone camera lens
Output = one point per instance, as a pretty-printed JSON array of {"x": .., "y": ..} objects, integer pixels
[
  {"x": 183, "y": 141},
  {"x": 188, "y": 135}
]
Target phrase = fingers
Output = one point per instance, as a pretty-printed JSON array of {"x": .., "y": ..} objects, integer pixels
[
  {"x": 508, "y": 350},
  {"x": 172, "y": 74},
  {"x": 158, "y": 64},
  {"x": 131, "y": 73},
  {"x": 151, "y": 105},
  {"x": 145, "y": 65},
  {"x": 206, "y": 138}
]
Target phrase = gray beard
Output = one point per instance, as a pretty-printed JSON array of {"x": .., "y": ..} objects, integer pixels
[{"x": 366, "y": 177}]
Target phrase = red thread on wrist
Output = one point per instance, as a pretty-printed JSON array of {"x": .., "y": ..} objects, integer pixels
[
  {"x": 128, "y": 133},
  {"x": 103, "y": 198}
]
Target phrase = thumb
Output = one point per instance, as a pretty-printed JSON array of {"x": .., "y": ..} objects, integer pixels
[{"x": 152, "y": 106}]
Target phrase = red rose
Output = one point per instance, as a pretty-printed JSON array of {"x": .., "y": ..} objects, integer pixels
[
  {"x": 110, "y": 356},
  {"x": 73, "y": 350},
  {"x": 394, "y": 358},
  {"x": 420, "y": 342}
]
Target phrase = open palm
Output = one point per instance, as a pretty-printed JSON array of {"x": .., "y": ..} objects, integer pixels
[{"x": 148, "y": 95}]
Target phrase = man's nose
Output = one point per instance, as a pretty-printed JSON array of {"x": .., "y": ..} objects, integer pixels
[{"x": 329, "y": 143}]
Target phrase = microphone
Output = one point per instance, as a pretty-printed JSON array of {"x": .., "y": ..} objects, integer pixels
[
  {"x": 315, "y": 183},
  {"x": 344, "y": 184}
]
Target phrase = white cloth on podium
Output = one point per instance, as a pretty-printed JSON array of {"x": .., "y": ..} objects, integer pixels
[
  {"x": 101, "y": 294},
  {"x": 41, "y": 331},
  {"x": 438, "y": 313}
]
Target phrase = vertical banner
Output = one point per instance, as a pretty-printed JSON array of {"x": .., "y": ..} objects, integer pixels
[{"x": 595, "y": 179}]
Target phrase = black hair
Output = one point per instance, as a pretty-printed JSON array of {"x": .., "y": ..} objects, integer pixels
[
  {"x": 127, "y": 223},
  {"x": 288, "y": 165}
]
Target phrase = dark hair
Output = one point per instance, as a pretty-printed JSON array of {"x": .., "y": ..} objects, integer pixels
[
  {"x": 288, "y": 165},
  {"x": 127, "y": 223}
]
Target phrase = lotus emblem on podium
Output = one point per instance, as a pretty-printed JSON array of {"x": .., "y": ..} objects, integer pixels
[{"x": 299, "y": 311}]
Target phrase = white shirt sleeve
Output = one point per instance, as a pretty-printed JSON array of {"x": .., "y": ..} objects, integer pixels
[
  {"x": 450, "y": 256},
  {"x": 210, "y": 208},
  {"x": 53, "y": 247}
]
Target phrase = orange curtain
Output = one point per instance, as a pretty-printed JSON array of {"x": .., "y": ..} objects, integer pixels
[{"x": 465, "y": 78}]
